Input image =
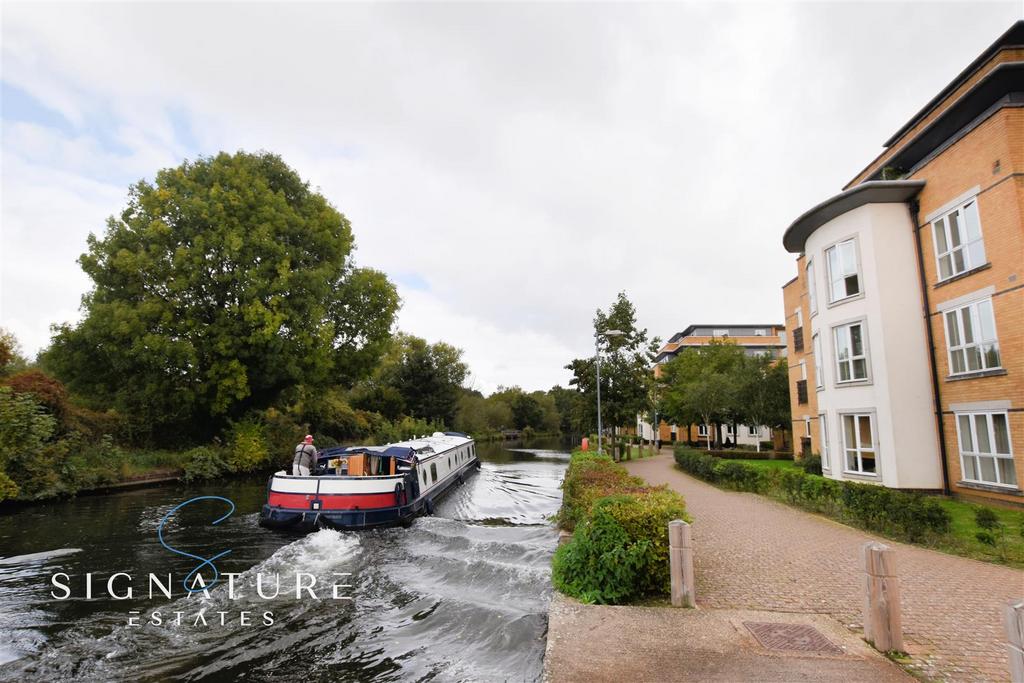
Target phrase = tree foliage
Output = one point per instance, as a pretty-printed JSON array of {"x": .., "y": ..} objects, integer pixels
[
  {"x": 718, "y": 383},
  {"x": 625, "y": 367},
  {"x": 222, "y": 283}
]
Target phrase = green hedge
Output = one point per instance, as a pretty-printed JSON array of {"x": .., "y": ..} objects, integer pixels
[
  {"x": 911, "y": 516},
  {"x": 619, "y": 551}
]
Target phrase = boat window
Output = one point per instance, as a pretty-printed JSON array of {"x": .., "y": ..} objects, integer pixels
[{"x": 433, "y": 472}]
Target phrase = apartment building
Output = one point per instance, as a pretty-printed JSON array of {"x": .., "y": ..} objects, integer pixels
[
  {"x": 906, "y": 316},
  {"x": 757, "y": 339}
]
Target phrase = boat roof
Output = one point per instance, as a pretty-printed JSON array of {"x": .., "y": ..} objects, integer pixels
[{"x": 437, "y": 442}]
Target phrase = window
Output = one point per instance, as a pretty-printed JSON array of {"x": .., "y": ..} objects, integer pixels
[
  {"x": 433, "y": 472},
  {"x": 958, "y": 243},
  {"x": 807, "y": 426},
  {"x": 720, "y": 333},
  {"x": 702, "y": 430},
  {"x": 859, "y": 443},
  {"x": 811, "y": 295},
  {"x": 971, "y": 338},
  {"x": 851, "y": 355},
  {"x": 985, "y": 451},
  {"x": 753, "y": 430},
  {"x": 823, "y": 429},
  {"x": 761, "y": 333},
  {"x": 819, "y": 372},
  {"x": 728, "y": 430},
  {"x": 843, "y": 278},
  {"x": 799, "y": 317}
]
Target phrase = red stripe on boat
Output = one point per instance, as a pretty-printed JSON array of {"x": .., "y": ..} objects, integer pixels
[{"x": 304, "y": 501}]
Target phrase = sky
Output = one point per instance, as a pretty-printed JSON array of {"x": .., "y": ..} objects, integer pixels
[{"x": 511, "y": 167}]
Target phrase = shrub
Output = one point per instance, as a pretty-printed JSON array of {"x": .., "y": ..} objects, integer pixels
[
  {"x": 25, "y": 431},
  {"x": 205, "y": 462},
  {"x": 247, "y": 447},
  {"x": 740, "y": 476},
  {"x": 49, "y": 392},
  {"x": 696, "y": 463},
  {"x": 620, "y": 550},
  {"x": 589, "y": 477},
  {"x": 811, "y": 464}
]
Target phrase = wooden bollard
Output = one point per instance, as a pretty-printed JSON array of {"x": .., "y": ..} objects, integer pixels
[
  {"x": 883, "y": 625},
  {"x": 680, "y": 562},
  {"x": 1014, "y": 621}
]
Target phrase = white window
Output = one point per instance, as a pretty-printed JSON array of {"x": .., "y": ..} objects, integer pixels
[
  {"x": 958, "y": 243},
  {"x": 971, "y": 338},
  {"x": 859, "y": 443},
  {"x": 761, "y": 333},
  {"x": 851, "y": 353},
  {"x": 807, "y": 426},
  {"x": 799, "y": 317},
  {"x": 702, "y": 430},
  {"x": 753, "y": 430},
  {"x": 811, "y": 296},
  {"x": 721, "y": 333},
  {"x": 823, "y": 430},
  {"x": 728, "y": 430},
  {"x": 985, "y": 451},
  {"x": 803, "y": 371},
  {"x": 844, "y": 280},
  {"x": 819, "y": 372}
]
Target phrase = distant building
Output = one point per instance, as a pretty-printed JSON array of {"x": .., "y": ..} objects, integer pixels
[
  {"x": 755, "y": 340},
  {"x": 906, "y": 317}
]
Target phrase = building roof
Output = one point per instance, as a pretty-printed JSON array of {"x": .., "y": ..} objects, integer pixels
[
  {"x": 870, "y": 192},
  {"x": 689, "y": 330},
  {"x": 1014, "y": 36}
]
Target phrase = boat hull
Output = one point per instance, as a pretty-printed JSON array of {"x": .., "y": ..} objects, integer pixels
[{"x": 302, "y": 513}]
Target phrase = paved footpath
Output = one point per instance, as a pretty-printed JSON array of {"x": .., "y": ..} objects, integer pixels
[{"x": 751, "y": 552}]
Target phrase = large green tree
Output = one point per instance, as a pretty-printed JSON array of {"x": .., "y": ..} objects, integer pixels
[
  {"x": 625, "y": 366},
  {"x": 700, "y": 385},
  {"x": 221, "y": 284},
  {"x": 428, "y": 377}
]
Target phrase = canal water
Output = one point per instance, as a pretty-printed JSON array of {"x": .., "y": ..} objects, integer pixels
[{"x": 459, "y": 596}]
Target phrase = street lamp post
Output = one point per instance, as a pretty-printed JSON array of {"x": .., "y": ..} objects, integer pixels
[{"x": 597, "y": 355}]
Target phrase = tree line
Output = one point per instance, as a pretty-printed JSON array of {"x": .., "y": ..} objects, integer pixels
[
  {"x": 715, "y": 384},
  {"x": 227, "y": 317}
]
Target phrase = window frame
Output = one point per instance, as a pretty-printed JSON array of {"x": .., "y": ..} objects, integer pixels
[
  {"x": 855, "y": 247},
  {"x": 826, "y": 463},
  {"x": 812, "y": 298},
  {"x": 995, "y": 456},
  {"x": 819, "y": 375},
  {"x": 702, "y": 429},
  {"x": 974, "y": 313},
  {"x": 964, "y": 248},
  {"x": 856, "y": 415},
  {"x": 865, "y": 353}
]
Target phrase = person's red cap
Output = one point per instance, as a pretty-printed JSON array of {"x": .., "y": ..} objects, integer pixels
[{"x": 309, "y": 438}]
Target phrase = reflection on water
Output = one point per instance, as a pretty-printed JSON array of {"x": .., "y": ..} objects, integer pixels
[{"x": 459, "y": 596}]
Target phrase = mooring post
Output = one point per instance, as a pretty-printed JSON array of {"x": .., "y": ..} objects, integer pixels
[
  {"x": 1013, "y": 617},
  {"x": 680, "y": 558},
  {"x": 883, "y": 625}
]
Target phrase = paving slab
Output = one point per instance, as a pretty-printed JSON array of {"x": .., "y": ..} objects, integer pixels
[{"x": 626, "y": 644}]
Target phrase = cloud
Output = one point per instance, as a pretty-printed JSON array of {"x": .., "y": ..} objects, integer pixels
[{"x": 511, "y": 166}]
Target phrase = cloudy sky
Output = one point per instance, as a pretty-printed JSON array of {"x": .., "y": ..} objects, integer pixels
[{"x": 510, "y": 166}]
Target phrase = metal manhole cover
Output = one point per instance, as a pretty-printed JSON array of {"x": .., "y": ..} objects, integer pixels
[{"x": 792, "y": 637}]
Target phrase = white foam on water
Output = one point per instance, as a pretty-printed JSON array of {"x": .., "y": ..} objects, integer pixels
[{"x": 38, "y": 557}]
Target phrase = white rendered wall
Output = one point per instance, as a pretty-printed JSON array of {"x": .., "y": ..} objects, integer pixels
[{"x": 898, "y": 392}]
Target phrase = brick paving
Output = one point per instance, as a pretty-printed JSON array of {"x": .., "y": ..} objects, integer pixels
[{"x": 752, "y": 552}]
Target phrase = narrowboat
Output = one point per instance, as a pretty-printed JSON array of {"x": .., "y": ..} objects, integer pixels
[{"x": 360, "y": 487}]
